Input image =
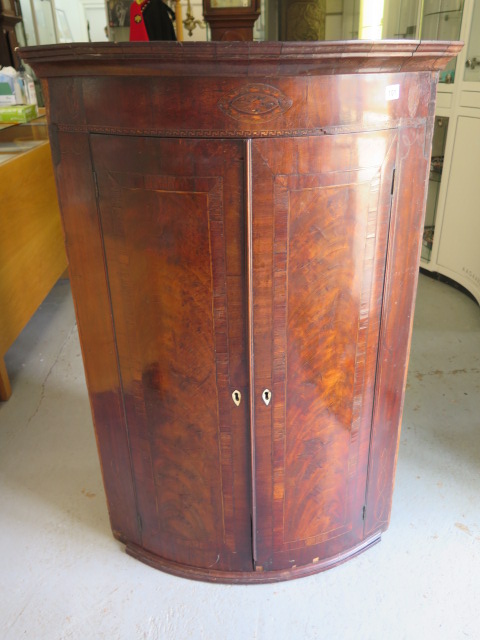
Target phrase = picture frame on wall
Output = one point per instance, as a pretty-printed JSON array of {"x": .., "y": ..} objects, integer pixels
[{"x": 118, "y": 13}]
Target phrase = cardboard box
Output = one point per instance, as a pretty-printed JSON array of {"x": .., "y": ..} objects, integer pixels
[
  {"x": 7, "y": 96},
  {"x": 7, "y": 100},
  {"x": 18, "y": 113}
]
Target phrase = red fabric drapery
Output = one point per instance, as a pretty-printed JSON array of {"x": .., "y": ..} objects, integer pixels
[{"x": 138, "y": 31}]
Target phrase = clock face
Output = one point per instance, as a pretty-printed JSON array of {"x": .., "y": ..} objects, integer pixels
[{"x": 230, "y": 4}]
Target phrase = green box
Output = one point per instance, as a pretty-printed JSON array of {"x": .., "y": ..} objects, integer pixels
[{"x": 18, "y": 113}]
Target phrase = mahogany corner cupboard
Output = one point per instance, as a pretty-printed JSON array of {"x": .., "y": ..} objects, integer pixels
[{"x": 243, "y": 223}]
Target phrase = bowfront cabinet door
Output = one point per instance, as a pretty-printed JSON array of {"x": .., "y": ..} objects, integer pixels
[
  {"x": 172, "y": 218},
  {"x": 320, "y": 221}
]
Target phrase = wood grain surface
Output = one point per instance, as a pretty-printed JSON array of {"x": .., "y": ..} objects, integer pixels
[
  {"x": 243, "y": 224},
  {"x": 317, "y": 318},
  {"x": 177, "y": 298},
  {"x": 32, "y": 253}
]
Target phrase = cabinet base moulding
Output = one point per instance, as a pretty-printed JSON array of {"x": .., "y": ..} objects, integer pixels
[{"x": 247, "y": 577}]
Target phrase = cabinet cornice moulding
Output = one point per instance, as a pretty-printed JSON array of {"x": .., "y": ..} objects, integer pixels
[{"x": 239, "y": 58}]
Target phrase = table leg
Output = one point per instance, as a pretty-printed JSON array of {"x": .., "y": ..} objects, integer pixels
[{"x": 5, "y": 388}]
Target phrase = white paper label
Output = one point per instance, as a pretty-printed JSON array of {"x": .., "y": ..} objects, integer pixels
[{"x": 392, "y": 92}]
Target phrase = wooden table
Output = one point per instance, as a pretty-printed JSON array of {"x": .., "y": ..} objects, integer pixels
[
  {"x": 243, "y": 223},
  {"x": 32, "y": 252}
]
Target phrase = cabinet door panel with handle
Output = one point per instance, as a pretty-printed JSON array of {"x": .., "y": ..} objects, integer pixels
[
  {"x": 320, "y": 224},
  {"x": 166, "y": 217}
]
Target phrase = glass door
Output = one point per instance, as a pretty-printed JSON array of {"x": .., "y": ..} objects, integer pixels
[
  {"x": 439, "y": 20},
  {"x": 458, "y": 256},
  {"x": 45, "y": 21},
  {"x": 436, "y": 169},
  {"x": 472, "y": 64},
  {"x": 442, "y": 20}
]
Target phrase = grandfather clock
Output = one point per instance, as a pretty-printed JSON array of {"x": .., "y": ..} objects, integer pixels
[
  {"x": 231, "y": 19},
  {"x": 10, "y": 15}
]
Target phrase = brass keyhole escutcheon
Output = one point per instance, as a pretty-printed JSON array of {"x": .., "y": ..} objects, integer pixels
[
  {"x": 267, "y": 396},
  {"x": 237, "y": 397}
]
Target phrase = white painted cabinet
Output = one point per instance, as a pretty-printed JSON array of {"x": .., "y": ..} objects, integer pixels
[{"x": 452, "y": 232}]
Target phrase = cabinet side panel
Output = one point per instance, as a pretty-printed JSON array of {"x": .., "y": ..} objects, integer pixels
[
  {"x": 397, "y": 317},
  {"x": 76, "y": 190}
]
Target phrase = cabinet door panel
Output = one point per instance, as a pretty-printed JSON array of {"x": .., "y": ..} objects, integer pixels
[
  {"x": 317, "y": 295},
  {"x": 167, "y": 220}
]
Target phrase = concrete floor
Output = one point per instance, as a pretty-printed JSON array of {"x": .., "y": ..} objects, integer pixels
[{"x": 63, "y": 576}]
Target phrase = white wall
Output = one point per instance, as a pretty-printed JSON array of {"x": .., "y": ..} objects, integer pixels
[
  {"x": 96, "y": 14},
  {"x": 72, "y": 14},
  {"x": 70, "y": 18},
  {"x": 197, "y": 10}
]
